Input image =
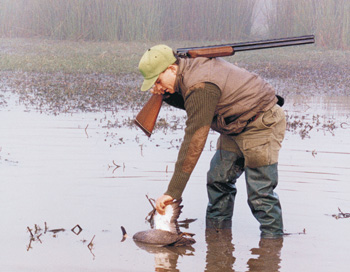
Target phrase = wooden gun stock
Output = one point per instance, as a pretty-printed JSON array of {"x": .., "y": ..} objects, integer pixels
[
  {"x": 211, "y": 52},
  {"x": 147, "y": 117}
]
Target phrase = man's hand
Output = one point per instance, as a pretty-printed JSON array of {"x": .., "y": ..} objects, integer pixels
[
  {"x": 155, "y": 90},
  {"x": 162, "y": 202}
]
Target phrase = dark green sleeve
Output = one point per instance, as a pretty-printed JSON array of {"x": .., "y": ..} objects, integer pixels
[
  {"x": 176, "y": 100},
  {"x": 200, "y": 105}
]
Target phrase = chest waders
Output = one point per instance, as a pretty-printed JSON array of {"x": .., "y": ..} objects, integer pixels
[
  {"x": 254, "y": 152},
  {"x": 221, "y": 186}
]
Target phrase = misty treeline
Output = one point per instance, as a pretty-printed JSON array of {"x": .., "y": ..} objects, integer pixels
[{"x": 156, "y": 20}]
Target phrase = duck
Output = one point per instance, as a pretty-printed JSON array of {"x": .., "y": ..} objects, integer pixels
[{"x": 165, "y": 229}]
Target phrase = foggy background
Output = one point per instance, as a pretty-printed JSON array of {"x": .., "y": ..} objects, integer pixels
[{"x": 157, "y": 20}]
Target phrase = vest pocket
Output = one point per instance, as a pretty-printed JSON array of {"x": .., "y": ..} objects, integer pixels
[{"x": 272, "y": 117}]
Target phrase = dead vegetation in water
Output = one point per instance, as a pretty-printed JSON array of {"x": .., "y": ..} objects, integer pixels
[
  {"x": 63, "y": 76},
  {"x": 4, "y": 156},
  {"x": 304, "y": 124},
  {"x": 37, "y": 233},
  {"x": 103, "y": 77},
  {"x": 341, "y": 215},
  {"x": 306, "y": 70},
  {"x": 3, "y": 102},
  {"x": 61, "y": 93}
]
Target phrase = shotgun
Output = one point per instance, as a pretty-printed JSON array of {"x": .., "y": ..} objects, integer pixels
[{"x": 147, "y": 117}]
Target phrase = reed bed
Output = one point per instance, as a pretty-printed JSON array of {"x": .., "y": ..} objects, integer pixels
[
  {"x": 328, "y": 19},
  {"x": 182, "y": 20},
  {"x": 125, "y": 20}
]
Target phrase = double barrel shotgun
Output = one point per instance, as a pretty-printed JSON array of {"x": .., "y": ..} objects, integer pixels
[{"x": 147, "y": 117}]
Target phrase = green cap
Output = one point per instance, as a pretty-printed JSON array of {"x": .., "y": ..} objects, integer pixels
[{"x": 154, "y": 62}]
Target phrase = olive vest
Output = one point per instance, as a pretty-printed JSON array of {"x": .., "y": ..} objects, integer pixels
[{"x": 243, "y": 94}]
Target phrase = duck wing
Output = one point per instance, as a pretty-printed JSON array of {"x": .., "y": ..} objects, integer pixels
[{"x": 169, "y": 221}]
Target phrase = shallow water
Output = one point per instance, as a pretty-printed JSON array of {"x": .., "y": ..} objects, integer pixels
[{"x": 70, "y": 169}]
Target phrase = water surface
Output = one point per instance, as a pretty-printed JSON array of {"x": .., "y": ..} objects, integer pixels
[{"x": 73, "y": 168}]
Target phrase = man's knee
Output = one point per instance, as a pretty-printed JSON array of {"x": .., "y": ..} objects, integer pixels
[{"x": 225, "y": 167}]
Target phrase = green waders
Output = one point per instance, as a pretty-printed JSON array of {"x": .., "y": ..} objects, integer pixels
[
  {"x": 221, "y": 179},
  {"x": 263, "y": 201},
  {"x": 256, "y": 152}
]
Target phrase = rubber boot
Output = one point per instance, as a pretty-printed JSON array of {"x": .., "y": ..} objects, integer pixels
[
  {"x": 263, "y": 201},
  {"x": 225, "y": 169}
]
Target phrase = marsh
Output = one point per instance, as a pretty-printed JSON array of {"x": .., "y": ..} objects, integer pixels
[{"x": 69, "y": 154}]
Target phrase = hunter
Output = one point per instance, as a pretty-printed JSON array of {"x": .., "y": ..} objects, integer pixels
[{"x": 245, "y": 110}]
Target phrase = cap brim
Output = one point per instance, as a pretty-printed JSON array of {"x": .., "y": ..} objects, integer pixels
[{"x": 148, "y": 83}]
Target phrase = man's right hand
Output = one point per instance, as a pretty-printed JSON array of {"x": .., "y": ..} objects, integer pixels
[{"x": 162, "y": 202}]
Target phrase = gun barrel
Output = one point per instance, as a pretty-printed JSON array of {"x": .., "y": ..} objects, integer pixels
[
  {"x": 244, "y": 46},
  {"x": 274, "y": 43}
]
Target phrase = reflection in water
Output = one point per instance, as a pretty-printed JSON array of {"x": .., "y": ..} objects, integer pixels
[
  {"x": 220, "y": 253},
  {"x": 165, "y": 258},
  {"x": 268, "y": 253},
  {"x": 219, "y": 250}
]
